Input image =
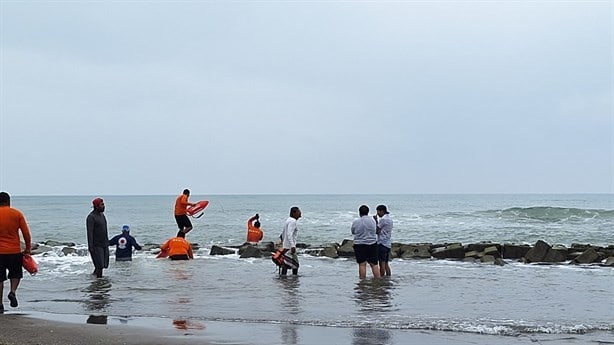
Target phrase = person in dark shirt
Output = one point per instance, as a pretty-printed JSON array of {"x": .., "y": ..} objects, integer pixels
[
  {"x": 98, "y": 237},
  {"x": 123, "y": 245}
]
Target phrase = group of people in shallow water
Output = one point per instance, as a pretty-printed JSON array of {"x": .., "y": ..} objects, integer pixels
[
  {"x": 372, "y": 241},
  {"x": 175, "y": 248}
]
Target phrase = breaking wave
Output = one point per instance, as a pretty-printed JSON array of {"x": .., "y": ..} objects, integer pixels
[{"x": 552, "y": 214}]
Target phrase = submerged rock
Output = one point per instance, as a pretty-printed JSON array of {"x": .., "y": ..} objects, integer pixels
[{"x": 217, "y": 250}]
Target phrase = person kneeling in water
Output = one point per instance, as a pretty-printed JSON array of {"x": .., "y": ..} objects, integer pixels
[{"x": 178, "y": 247}]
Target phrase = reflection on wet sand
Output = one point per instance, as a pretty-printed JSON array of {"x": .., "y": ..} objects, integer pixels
[
  {"x": 289, "y": 334},
  {"x": 373, "y": 296},
  {"x": 97, "y": 319},
  {"x": 184, "y": 324},
  {"x": 290, "y": 305},
  {"x": 371, "y": 336}
]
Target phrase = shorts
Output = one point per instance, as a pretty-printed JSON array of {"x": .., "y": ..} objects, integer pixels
[
  {"x": 383, "y": 253},
  {"x": 100, "y": 257},
  {"x": 183, "y": 221},
  {"x": 12, "y": 263},
  {"x": 366, "y": 252}
]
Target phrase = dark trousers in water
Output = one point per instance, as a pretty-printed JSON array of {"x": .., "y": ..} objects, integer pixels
[{"x": 180, "y": 257}]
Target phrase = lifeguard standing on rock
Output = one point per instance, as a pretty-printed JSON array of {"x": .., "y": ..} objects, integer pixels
[{"x": 254, "y": 233}]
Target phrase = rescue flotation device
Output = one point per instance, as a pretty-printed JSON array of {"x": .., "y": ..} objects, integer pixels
[
  {"x": 29, "y": 264},
  {"x": 198, "y": 207}
]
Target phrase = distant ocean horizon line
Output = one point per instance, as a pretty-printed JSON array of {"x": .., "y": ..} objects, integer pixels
[{"x": 309, "y": 194}]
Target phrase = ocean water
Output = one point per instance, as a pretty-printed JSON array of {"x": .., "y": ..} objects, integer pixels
[{"x": 515, "y": 300}]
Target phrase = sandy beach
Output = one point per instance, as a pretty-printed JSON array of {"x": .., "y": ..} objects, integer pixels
[{"x": 24, "y": 329}]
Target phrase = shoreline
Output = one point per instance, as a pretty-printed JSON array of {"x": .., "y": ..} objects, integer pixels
[{"x": 34, "y": 328}]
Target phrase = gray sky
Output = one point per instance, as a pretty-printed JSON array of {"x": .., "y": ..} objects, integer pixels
[{"x": 244, "y": 97}]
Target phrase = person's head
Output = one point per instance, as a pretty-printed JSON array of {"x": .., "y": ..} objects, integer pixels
[
  {"x": 381, "y": 210},
  {"x": 126, "y": 228},
  {"x": 295, "y": 212},
  {"x": 98, "y": 204},
  {"x": 257, "y": 223},
  {"x": 5, "y": 199},
  {"x": 363, "y": 210},
  {"x": 186, "y": 192},
  {"x": 181, "y": 234}
]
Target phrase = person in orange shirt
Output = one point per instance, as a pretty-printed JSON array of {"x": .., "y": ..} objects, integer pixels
[
  {"x": 11, "y": 222},
  {"x": 254, "y": 234},
  {"x": 178, "y": 248},
  {"x": 181, "y": 213}
]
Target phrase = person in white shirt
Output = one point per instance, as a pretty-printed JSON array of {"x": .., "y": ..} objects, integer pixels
[
  {"x": 384, "y": 239},
  {"x": 289, "y": 237},
  {"x": 365, "y": 243}
]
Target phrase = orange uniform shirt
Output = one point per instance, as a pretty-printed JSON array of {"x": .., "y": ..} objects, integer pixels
[
  {"x": 254, "y": 234},
  {"x": 181, "y": 204},
  {"x": 178, "y": 246},
  {"x": 11, "y": 220}
]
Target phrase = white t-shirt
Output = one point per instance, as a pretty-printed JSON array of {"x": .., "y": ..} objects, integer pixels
[{"x": 290, "y": 233}]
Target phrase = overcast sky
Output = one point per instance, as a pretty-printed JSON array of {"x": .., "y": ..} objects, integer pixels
[{"x": 101, "y": 98}]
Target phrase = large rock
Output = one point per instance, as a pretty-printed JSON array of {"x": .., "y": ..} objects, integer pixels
[
  {"x": 327, "y": 251},
  {"x": 330, "y": 252},
  {"x": 415, "y": 251},
  {"x": 41, "y": 249},
  {"x": 589, "y": 256},
  {"x": 609, "y": 262},
  {"x": 53, "y": 243},
  {"x": 538, "y": 252},
  {"x": 451, "y": 251},
  {"x": 514, "y": 251},
  {"x": 395, "y": 250},
  {"x": 69, "y": 250},
  {"x": 249, "y": 252},
  {"x": 492, "y": 251},
  {"x": 266, "y": 247},
  {"x": 346, "y": 249},
  {"x": 479, "y": 247},
  {"x": 217, "y": 250},
  {"x": 557, "y": 253}
]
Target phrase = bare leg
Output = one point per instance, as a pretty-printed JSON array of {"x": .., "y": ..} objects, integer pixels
[
  {"x": 14, "y": 284},
  {"x": 375, "y": 270},
  {"x": 362, "y": 270}
]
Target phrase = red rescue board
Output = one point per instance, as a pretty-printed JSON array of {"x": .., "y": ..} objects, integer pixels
[{"x": 201, "y": 205}]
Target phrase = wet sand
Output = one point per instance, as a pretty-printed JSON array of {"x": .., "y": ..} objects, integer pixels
[{"x": 49, "y": 329}]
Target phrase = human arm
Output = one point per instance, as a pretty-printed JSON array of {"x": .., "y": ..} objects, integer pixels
[
  {"x": 25, "y": 231},
  {"x": 292, "y": 232},
  {"x": 90, "y": 232},
  {"x": 113, "y": 241},
  {"x": 135, "y": 244},
  {"x": 252, "y": 219}
]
